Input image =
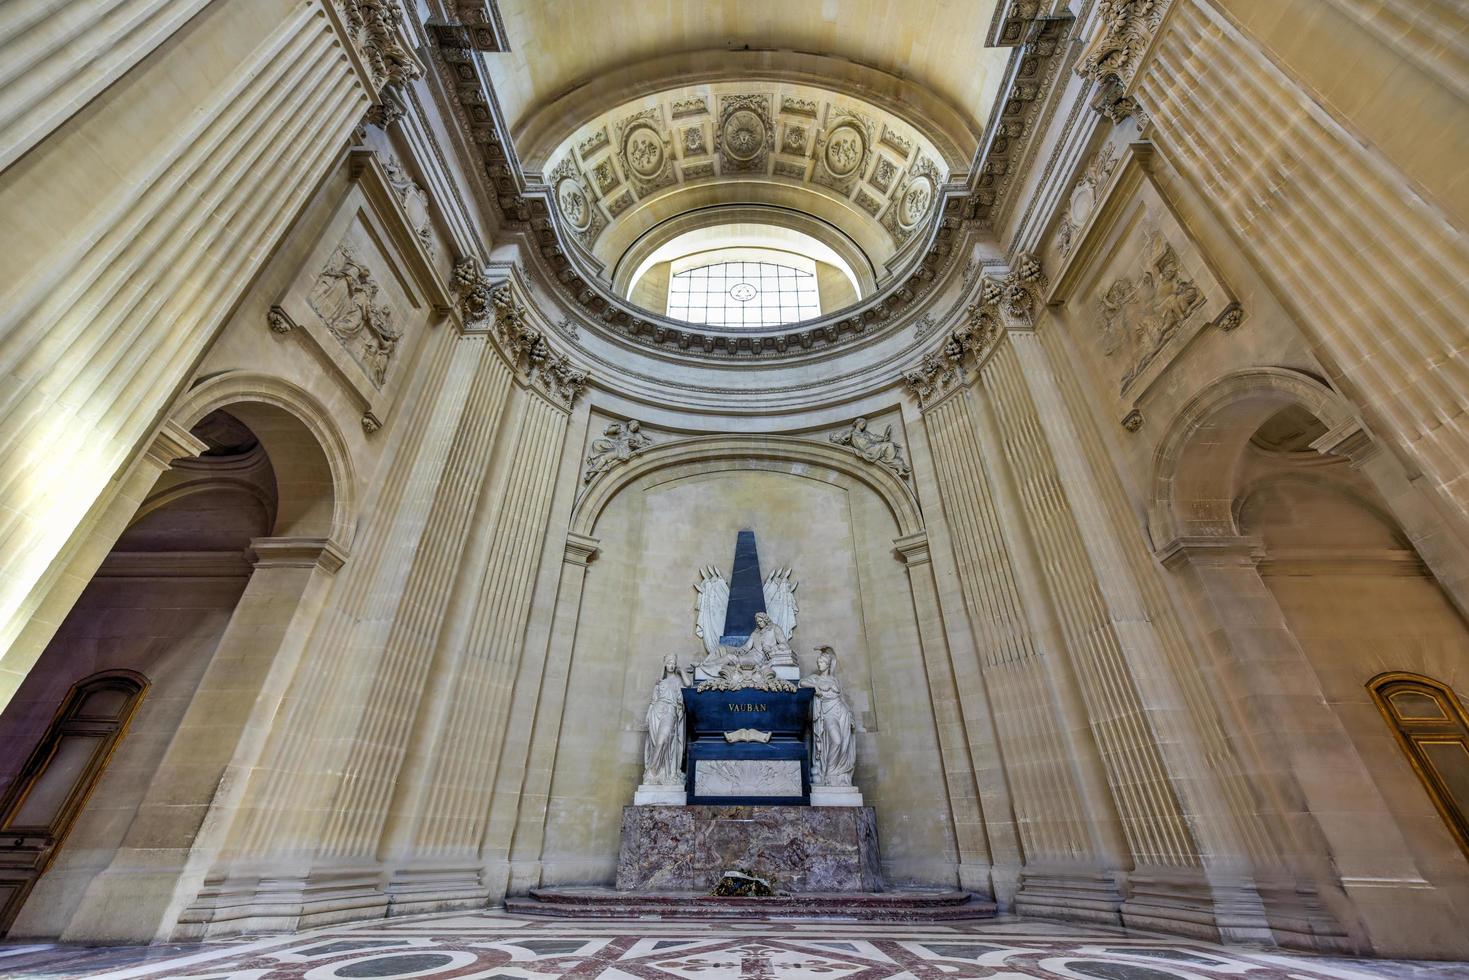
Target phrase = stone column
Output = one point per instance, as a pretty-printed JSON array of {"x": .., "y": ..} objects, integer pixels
[
  {"x": 515, "y": 837},
  {"x": 1337, "y": 826},
  {"x": 181, "y": 822},
  {"x": 469, "y": 738},
  {"x": 961, "y": 771},
  {"x": 57, "y": 591},
  {"x": 204, "y": 155}
]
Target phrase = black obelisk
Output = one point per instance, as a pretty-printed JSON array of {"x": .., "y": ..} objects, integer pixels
[{"x": 746, "y": 592}]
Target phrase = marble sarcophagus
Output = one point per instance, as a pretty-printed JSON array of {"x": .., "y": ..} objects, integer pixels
[{"x": 748, "y": 747}]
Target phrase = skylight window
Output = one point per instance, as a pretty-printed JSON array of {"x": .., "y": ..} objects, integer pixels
[{"x": 755, "y": 291}]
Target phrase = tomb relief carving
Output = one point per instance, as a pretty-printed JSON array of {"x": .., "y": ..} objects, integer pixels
[
  {"x": 1136, "y": 315},
  {"x": 619, "y": 442},
  {"x": 346, "y": 297},
  {"x": 874, "y": 447}
]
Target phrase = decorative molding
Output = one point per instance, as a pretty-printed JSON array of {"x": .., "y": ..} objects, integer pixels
[
  {"x": 172, "y": 442},
  {"x": 1031, "y": 75},
  {"x": 477, "y": 27},
  {"x": 1015, "y": 296},
  {"x": 174, "y": 564},
  {"x": 297, "y": 552},
  {"x": 1133, "y": 420},
  {"x": 1111, "y": 59},
  {"x": 912, "y": 549},
  {"x": 580, "y": 549},
  {"x": 371, "y": 423}
]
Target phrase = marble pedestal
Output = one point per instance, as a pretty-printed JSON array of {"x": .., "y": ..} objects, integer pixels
[
  {"x": 835, "y": 796},
  {"x": 797, "y": 848},
  {"x": 651, "y": 795}
]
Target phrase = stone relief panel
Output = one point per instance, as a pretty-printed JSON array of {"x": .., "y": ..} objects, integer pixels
[
  {"x": 746, "y": 133},
  {"x": 1136, "y": 286},
  {"x": 348, "y": 300},
  {"x": 734, "y": 131},
  {"x": 1136, "y": 315}
]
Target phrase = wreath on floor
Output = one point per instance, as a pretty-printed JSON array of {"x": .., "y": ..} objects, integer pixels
[{"x": 741, "y": 883}]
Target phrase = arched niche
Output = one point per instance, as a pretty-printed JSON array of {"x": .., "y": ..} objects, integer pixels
[
  {"x": 315, "y": 479},
  {"x": 834, "y": 519},
  {"x": 1193, "y": 486}
]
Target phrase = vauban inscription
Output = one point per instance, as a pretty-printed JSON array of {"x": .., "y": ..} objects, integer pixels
[{"x": 746, "y": 707}]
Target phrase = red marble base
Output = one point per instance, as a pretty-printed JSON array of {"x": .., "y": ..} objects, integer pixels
[{"x": 889, "y": 906}]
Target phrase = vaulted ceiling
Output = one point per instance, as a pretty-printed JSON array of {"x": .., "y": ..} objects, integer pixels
[{"x": 572, "y": 60}]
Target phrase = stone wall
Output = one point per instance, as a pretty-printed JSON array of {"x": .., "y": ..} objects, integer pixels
[{"x": 1181, "y": 472}]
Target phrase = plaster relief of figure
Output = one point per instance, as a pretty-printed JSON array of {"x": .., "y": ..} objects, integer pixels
[
  {"x": 664, "y": 751},
  {"x": 833, "y": 728},
  {"x": 619, "y": 442},
  {"x": 345, "y": 297},
  {"x": 1138, "y": 315},
  {"x": 873, "y": 447}
]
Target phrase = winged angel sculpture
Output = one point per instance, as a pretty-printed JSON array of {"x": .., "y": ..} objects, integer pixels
[{"x": 752, "y": 665}]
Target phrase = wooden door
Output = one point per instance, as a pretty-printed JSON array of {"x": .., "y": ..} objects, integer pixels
[{"x": 48, "y": 794}]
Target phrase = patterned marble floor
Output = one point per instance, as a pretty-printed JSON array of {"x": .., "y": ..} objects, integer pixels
[{"x": 495, "y": 946}]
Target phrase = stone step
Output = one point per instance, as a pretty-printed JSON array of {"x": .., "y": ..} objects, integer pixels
[{"x": 905, "y": 906}]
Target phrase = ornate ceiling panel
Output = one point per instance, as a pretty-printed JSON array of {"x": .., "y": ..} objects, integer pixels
[{"x": 868, "y": 173}]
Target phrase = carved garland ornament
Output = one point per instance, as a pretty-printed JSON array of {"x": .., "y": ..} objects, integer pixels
[
  {"x": 1009, "y": 301},
  {"x": 526, "y": 348},
  {"x": 1112, "y": 58}
]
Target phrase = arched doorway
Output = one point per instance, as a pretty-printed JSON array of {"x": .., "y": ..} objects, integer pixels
[{"x": 195, "y": 600}]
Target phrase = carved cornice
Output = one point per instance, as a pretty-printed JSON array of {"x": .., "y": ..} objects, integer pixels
[
  {"x": 527, "y": 210},
  {"x": 1029, "y": 78},
  {"x": 1111, "y": 58},
  {"x": 1006, "y": 302},
  {"x": 482, "y": 301}
]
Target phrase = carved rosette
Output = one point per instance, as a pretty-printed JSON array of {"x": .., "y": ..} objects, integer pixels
[
  {"x": 746, "y": 133},
  {"x": 1112, "y": 57}
]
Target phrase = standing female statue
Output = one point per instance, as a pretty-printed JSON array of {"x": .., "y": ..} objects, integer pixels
[
  {"x": 663, "y": 754},
  {"x": 832, "y": 727}
]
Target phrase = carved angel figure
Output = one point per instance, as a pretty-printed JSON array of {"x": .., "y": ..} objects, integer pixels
[
  {"x": 713, "y": 604},
  {"x": 875, "y": 448},
  {"x": 780, "y": 602}
]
